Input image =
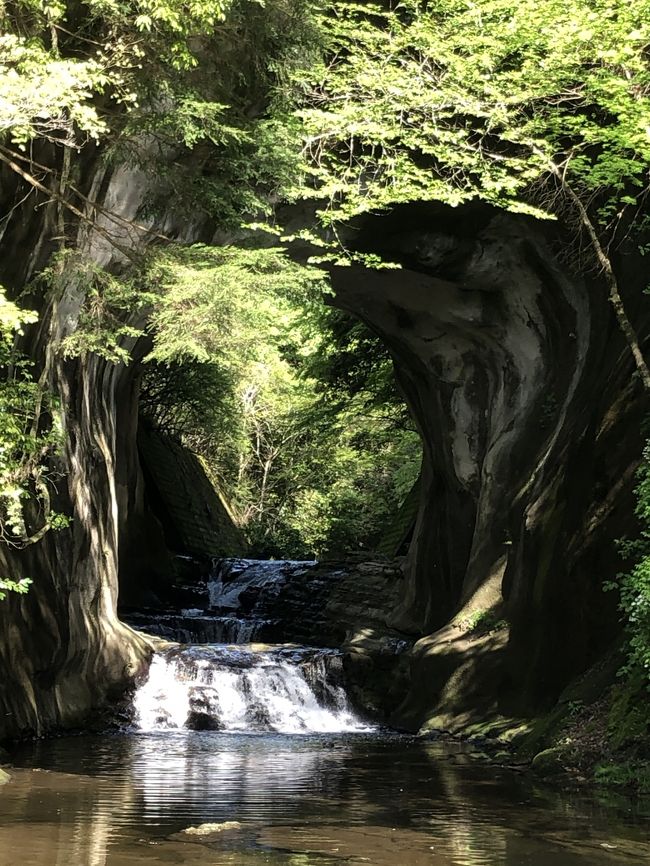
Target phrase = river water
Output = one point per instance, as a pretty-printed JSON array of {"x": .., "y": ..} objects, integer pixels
[
  {"x": 255, "y": 750},
  {"x": 310, "y": 800}
]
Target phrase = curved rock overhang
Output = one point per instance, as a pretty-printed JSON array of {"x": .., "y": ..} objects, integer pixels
[
  {"x": 531, "y": 420},
  {"x": 530, "y": 416}
]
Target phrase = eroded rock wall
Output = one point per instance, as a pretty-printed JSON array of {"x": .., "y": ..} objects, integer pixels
[
  {"x": 523, "y": 389},
  {"x": 530, "y": 415},
  {"x": 63, "y": 651}
]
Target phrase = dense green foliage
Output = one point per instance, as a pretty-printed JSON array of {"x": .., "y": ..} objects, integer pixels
[
  {"x": 29, "y": 434},
  {"x": 179, "y": 89},
  {"x": 58, "y": 58},
  {"x": 313, "y": 451},
  {"x": 449, "y": 101},
  {"x": 358, "y": 104},
  {"x": 232, "y": 107},
  {"x": 634, "y": 587}
]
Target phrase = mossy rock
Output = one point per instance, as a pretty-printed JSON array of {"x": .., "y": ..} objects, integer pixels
[
  {"x": 4, "y": 777},
  {"x": 549, "y": 762},
  {"x": 544, "y": 730},
  {"x": 629, "y": 712}
]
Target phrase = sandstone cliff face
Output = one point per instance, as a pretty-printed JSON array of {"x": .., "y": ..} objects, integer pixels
[
  {"x": 530, "y": 416},
  {"x": 63, "y": 650}
]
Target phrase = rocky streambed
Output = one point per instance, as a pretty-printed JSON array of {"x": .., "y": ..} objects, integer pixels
[{"x": 327, "y": 607}]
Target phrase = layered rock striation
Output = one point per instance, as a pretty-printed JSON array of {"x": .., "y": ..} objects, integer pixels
[
  {"x": 508, "y": 354},
  {"x": 522, "y": 387},
  {"x": 63, "y": 650}
]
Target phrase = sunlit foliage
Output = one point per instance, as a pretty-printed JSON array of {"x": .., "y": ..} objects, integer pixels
[
  {"x": 29, "y": 434},
  {"x": 244, "y": 372},
  {"x": 634, "y": 586},
  {"x": 451, "y": 101}
]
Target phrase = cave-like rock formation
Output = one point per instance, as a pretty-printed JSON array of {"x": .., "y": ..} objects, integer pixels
[{"x": 530, "y": 415}]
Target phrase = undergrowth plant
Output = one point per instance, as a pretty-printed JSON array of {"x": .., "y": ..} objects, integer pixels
[
  {"x": 29, "y": 436},
  {"x": 634, "y": 585}
]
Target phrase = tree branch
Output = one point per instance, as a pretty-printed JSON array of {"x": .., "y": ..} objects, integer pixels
[
  {"x": 66, "y": 204},
  {"x": 109, "y": 214},
  {"x": 610, "y": 277}
]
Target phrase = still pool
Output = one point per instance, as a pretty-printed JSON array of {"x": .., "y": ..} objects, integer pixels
[{"x": 300, "y": 801}]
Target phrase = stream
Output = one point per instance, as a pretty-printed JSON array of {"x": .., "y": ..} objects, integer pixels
[{"x": 242, "y": 753}]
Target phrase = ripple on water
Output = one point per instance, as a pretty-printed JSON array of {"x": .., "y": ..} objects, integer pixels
[{"x": 301, "y": 801}]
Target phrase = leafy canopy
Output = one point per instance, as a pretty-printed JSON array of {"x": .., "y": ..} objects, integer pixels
[
  {"x": 55, "y": 60},
  {"x": 390, "y": 102},
  {"x": 181, "y": 89},
  {"x": 254, "y": 381},
  {"x": 450, "y": 101},
  {"x": 634, "y": 586}
]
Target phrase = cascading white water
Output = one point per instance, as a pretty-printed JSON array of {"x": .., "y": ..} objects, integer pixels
[
  {"x": 242, "y": 602},
  {"x": 240, "y": 690},
  {"x": 206, "y": 683}
]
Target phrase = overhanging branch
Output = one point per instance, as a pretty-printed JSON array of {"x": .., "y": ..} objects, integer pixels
[
  {"x": 55, "y": 196},
  {"x": 615, "y": 298}
]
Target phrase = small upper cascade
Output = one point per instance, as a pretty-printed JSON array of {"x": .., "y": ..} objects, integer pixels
[
  {"x": 238, "y": 604},
  {"x": 243, "y": 594},
  {"x": 292, "y": 690},
  {"x": 244, "y": 601},
  {"x": 245, "y": 584}
]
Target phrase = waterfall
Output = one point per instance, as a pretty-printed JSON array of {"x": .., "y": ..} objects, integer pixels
[
  {"x": 240, "y": 603},
  {"x": 247, "y": 590},
  {"x": 215, "y": 678},
  {"x": 234, "y": 577},
  {"x": 194, "y": 626},
  {"x": 292, "y": 690}
]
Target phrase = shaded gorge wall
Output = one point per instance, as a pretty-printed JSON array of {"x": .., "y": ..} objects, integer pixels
[
  {"x": 523, "y": 392},
  {"x": 63, "y": 650}
]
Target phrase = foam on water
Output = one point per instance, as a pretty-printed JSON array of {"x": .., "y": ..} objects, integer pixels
[{"x": 292, "y": 691}]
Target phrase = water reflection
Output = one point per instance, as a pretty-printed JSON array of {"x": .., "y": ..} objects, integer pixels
[{"x": 117, "y": 801}]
